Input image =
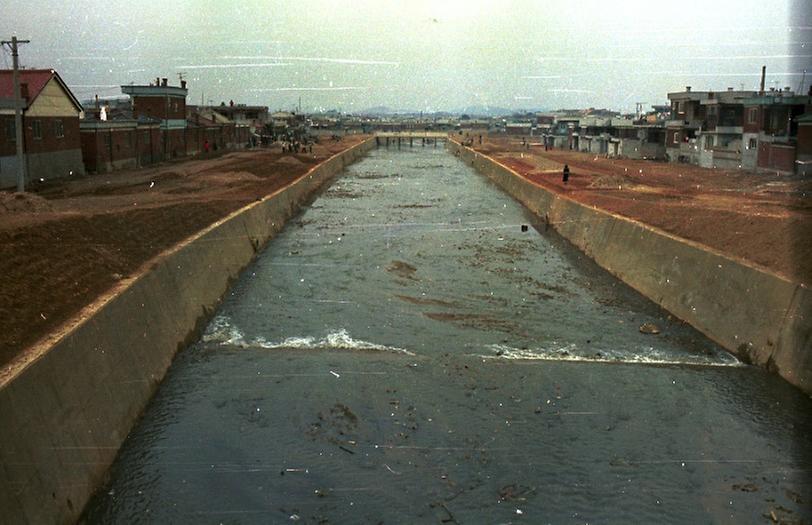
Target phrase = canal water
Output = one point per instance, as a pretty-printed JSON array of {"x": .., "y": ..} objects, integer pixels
[{"x": 405, "y": 351}]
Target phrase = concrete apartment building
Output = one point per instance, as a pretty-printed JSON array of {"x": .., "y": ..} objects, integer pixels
[
  {"x": 733, "y": 129},
  {"x": 773, "y": 132},
  {"x": 721, "y": 135},
  {"x": 51, "y": 143},
  {"x": 687, "y": 118},
  {"x": 706, "y": 127}
]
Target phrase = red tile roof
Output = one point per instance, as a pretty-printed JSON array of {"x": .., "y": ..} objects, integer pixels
[{"x": 36, "y": 80}]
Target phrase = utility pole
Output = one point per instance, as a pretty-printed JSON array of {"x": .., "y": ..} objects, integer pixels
[{"x": 18, "y": 110}]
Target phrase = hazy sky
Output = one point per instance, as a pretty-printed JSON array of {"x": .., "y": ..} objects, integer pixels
[{"x": 423, "y": 55}]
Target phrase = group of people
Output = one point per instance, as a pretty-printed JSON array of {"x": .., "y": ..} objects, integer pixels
[{"x": 294, "y": 146}]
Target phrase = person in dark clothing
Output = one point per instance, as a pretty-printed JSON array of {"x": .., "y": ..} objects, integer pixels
[{"x": 566, "y": 173}]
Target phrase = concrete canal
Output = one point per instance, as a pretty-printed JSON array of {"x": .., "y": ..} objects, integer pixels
[{"x": 405, "y": 351}]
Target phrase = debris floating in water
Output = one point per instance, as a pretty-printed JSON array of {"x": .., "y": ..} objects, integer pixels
[{"x": 649, "y": 328}]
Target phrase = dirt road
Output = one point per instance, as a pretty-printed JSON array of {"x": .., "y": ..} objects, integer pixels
[
  {"x": 765, "y": 219},
  {"x": 67, "y": 242}
]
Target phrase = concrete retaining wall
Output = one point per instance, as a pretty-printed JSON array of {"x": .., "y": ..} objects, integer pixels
[
  {"x": 758, "y": 316},
  {"x": 66, "y": 411}
]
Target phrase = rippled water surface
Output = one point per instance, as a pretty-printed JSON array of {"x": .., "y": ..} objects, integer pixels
[{"x": 404, "y": 352}]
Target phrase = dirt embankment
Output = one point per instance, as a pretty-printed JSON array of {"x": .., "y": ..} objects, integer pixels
[
  {"x": 65, "y": 243},
  {"x": 765, "y": 219}
]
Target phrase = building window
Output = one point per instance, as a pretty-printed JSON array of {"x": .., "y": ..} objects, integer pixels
[
  {"x": 59, "y": 129},
  {"x": 709, "y": 141},
  {"x": 752, "y": 144},
  {"x": 11, "y": 130},
  {"x": 676, "y": 137},
  {"x": 752, "y": 116},
  {"x": 36, "y": 127}
]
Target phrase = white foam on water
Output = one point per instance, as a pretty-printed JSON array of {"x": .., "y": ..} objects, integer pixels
[
  {"x": 222, "y": 331},
  {"x": 339, "y": 340},
  {"x": 570, "y": 352}
]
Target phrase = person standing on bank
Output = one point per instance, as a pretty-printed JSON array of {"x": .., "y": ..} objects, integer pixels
[{"x": 566, "y": 173}]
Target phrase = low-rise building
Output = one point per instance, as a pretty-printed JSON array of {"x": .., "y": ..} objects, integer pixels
[
  {"x": 803, "y": 157},
  {"x": 564, "y": 133},
  {"x": 519, "y": 128},
  {"x": 687, "y": 118},
  {"x": 255, "y": 117},
  {"x": 167, "y": 104},
  {"x": 149, "y": 127},
  {"x": 721, "y": 136},
  {"x": 771, "y": 130},
  {"x": 640, "y": 141},
  {"x": 119, "y": 141},
  {"x": 50, "y": 118}
]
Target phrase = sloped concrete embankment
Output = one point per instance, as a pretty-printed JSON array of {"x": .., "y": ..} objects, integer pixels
[
  {"x": 64, "y": 414},
  {"x": 758, "y": 316}
]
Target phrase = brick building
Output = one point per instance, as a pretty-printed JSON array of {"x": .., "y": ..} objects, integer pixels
[
  {"x": 167, "y": 105},
  {"x": 153, "y": 125},
  {"x": 51, "y": 143},
  {"x": 120, "y": 142}
]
